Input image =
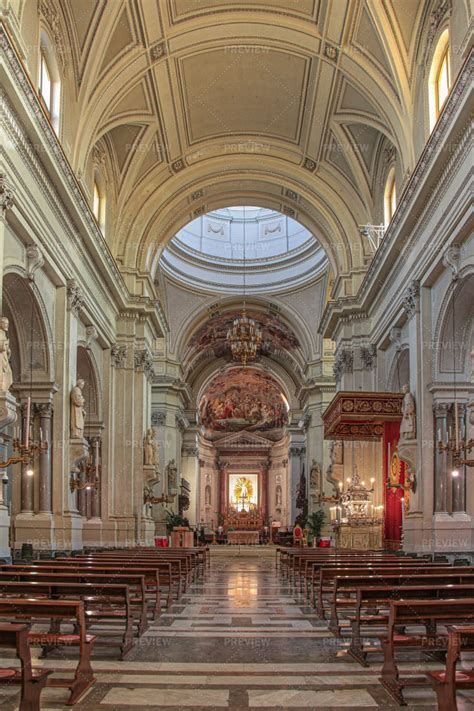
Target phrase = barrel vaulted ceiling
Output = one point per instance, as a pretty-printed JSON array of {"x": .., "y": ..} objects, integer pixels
[{"x": 200, "y": 104}]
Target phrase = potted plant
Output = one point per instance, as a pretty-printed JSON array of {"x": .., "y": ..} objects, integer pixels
[
  {"x": 173, "y": 520},
  {"x": 315, "y": 523}
]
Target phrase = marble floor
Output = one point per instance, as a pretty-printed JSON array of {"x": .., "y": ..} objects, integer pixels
[{"x": 239, "y": 639}]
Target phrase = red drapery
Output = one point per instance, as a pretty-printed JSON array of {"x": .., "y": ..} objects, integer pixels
[{"x": 394, "y": 473}]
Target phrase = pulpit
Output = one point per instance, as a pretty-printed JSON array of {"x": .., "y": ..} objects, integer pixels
[{"x": 182, "y": 537}]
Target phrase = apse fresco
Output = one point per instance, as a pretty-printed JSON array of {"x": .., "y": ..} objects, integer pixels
[
  {"x": 214, "y": 333},
  {"x": 243, "y": 399}
]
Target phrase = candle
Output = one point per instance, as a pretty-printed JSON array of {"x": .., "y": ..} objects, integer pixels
[
  {"x": 439, "y": 434},
  {"x": 28, "y": 413},
  {"x": 41, "y": 434},
  {"x": 341, "y": 485}
]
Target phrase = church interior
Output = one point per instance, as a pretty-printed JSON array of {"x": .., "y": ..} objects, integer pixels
[{"x": 237, "y": 354}]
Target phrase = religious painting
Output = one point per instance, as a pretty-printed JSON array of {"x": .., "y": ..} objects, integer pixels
[
  {"x": 243, "y": 399},
  {"x": 243, "y": 491},
  {"x": 276, "y": 335}
]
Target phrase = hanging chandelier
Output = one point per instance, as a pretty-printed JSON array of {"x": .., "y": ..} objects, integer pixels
[{"x": 244, "y": 337}]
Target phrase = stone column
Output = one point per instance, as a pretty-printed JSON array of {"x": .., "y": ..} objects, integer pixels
[
  {"x": 295, "y": 453},
  {"x": 45, "y": 413},
  {"x": 441, "y": 458},
  {"x": 27, "y": 482},
  {"x": 264, "y": 490},
  {"x": 95, "y": 492},
  {"x": 459, "y": 482}
]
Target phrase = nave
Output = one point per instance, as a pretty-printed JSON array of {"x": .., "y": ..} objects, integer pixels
[{"x": 242, "y": 636}]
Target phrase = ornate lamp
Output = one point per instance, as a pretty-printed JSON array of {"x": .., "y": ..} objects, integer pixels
[{"x": 244, "y": 337}]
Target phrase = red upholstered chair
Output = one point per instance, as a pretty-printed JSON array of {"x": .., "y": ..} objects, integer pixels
[{"x": 297, "y": 535}]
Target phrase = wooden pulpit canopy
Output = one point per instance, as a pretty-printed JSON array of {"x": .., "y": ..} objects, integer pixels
[{"x": 361, "y": 415}]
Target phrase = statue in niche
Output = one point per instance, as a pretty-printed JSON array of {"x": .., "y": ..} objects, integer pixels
[
  {"x": 207, "y": 495},
  {"x": 278, "y": 496},
  {"x": 408, "y": 423},
  {"x": 5, "y": 354},
  {"x": 78, "y": 412},
  {"x": 172, "y": 475},
  {"x": 315, "y": 475},
  {"x": 150, "y": 448}
]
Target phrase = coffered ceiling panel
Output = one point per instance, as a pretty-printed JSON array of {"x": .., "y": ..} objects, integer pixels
[{"x": 244, "y": 89}]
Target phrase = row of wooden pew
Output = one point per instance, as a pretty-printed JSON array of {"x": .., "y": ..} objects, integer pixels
[
  {"x": 404, "y": 603},
  {"x": 104, "y": 598}
]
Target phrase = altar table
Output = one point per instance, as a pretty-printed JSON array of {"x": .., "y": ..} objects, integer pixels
[{"x": 244, "y": 538}]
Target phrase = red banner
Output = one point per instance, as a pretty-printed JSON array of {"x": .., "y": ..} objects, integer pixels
[{"x": 394, "y": 476}]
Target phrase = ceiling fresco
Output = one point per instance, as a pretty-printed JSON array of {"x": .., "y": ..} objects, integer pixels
[
  {"x": 243, "y": 399},
  {"x": 275, "y": 334}
]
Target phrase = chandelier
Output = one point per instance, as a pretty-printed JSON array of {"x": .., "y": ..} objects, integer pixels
[{"x": 244, "y": 337}]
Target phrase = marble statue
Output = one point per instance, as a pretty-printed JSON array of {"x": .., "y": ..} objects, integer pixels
[
  {"x": 6, "y": 374},
  {"x": 315, "y": 475},
  {"x": 278, "y": 496},
  {"x": 78, "y": 412},
  {"x": 172, "y": 475},
  {"x": 150, "y": 448},
  {"x": 408, "y": 424}
]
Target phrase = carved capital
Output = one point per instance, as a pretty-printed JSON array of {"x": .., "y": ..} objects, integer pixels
[
  {"x": 143, "y": 361},
  {"x": 119, "y": 355},
  {"x": 441, "y": 410},
  {"x": 44, "y": 409},
  {"x": 158, "y": 418},
  {"x": 411, "y": 298},
  {"x": 368, "y": 356},
  {"x": 343, "y": 364},
  {"x": 75, "y": 297},
  {"x": 6, "y": 194}
]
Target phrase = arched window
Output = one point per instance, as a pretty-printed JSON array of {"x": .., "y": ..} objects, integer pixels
[
  {"x": 440, "y": 78},
  {"x": 98, "y": 203},
  {"x": 390, "y": 197},
  {"x": 49, "y": 82}
]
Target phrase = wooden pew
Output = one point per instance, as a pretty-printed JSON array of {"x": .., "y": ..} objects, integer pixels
[
  {"x": 430, "y": 614},
  {"x": 15, "y": 636},
  {"x": 300, "y": 563},
  {"x": 136, "y": 583},
  {"x": 171, "y": 571},
  {"x": 57, "y": 611},
  {"x": 379, "y": 596},
  {"x": 348, "y": 584},
  {"x": 315, "y": 589},
  {"x": 102, "y": 603},
  {"x": 155, "y": 574},
  {"x": 341, "y": 580},
  {"x": 184, "y": 565},
  {"x": 445, "y": 683}
]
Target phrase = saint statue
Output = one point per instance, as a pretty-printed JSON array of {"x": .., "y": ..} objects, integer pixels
[
  {"x": 315, "y": 475},
  {"x": 5, "y": 353},
  {"x": 150, "y": 448},
  {"x": 172, "y": 474},
  {"x": 278, "y": 496},
  {"x": 408, "y": 423},
  {"x": 78, "y": 412}
]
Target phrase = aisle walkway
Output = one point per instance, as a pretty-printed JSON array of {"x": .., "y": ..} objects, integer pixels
[{"x": 237, "y": 640}]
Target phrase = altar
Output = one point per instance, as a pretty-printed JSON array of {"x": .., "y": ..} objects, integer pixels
[{"x": 243, "y": 538}]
